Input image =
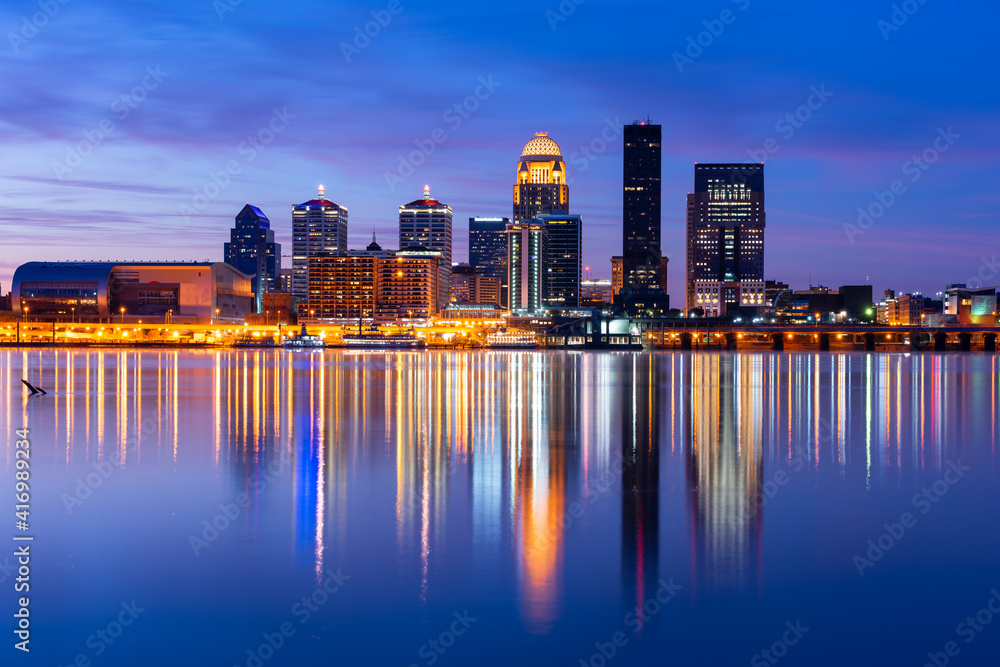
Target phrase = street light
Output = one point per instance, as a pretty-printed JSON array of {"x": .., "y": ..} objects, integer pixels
[
  {"x": 123, "y": 314},
  {"x": 216, "y": 315}
]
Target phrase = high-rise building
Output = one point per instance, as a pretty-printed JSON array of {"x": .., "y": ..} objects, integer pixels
[
  {"x": 488, "y": 245},
  {"x": 541, "y": 180},
  {"x": 318, "y": 227},
  {"x": 528, "y": 250},
  {"x": 725, "y": 238},
  {"x": 641, "y": 207},
  {"x": 252, "y": 250},
  {"x": 563, "y": 264},
  {"x": 488, "y": 250},
  {"x": 427, "y": 223}
]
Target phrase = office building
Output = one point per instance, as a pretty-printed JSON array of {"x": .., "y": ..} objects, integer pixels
[
  {"x": 725, "y": 239},
  {"x": 470, "y": 285},
  {"x": 595, "y": 293},
  {"x": 528, "y": 250},
  {"x": 181, "y": 292},
  {"x": 285, "y": 280},
  {"x": 966, "y": 305},
  {"x": 252, "y": 250},
  {"x": 488, "y": 249},
  {"x": 427, "y": 223},
  {"x": 563, "y": 263},
  {"x": 319, "y": 226},
  {"x": 344, "y": 287},
  {"x": 856, "y": 302},
  {"x": 541, "y": 180},
  {"x": 408, "y": 284},
  {"x": 488, "y": 245},
  {"x": 641, "y": 207}
]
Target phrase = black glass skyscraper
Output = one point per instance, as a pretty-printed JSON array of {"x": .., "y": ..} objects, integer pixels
[
  {"x": 563, "y": 260},
  {"x": 641, "y": 210},
  {"x": 252, "y": 250}
]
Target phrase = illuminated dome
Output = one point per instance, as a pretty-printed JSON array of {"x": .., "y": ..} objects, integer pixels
[{"x": 541, "y": 145}]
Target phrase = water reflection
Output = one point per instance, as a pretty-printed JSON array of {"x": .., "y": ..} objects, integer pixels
[
  {"x": 725, "y": 469},
  {"x": 640, "y": 386},
  {"x": 475, "y": 460}
]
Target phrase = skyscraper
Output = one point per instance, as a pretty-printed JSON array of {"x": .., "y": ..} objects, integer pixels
[
  {"x": 563, "y": 263},
  {"x": 641, "y": 207},
  {"x": 318, "y": 226},
  {"x": 252, "y": 250},
  {"x": 488, "y": 250},
  {"x": 725, "y": 238},
  {"x": 528, "y": 250},
  {"x": 541, "y": 180},
  {"x": 488, "y": 245},
  {"x": 428, "y": 223}
]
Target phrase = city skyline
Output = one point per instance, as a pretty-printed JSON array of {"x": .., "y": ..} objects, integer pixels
[{"x": 852, "y": 132}]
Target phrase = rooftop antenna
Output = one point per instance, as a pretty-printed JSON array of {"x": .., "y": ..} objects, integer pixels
[
  {"x": 322, "y": 192},
  {"x": 427, "y": 192}
]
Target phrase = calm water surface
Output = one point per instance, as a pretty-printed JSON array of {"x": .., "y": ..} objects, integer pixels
[{"x": 505, "y": 508}]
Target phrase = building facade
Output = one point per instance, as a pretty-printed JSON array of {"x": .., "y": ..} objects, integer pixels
[
  {"x": 344, "y": 287},
  {"x": 252, "y": 250},
  {"x": 617, "y": 275},
  {"x": 488, "y": 250},
  {"x": 596, "y": 293},
  {"x": 470, "y": 285},
  {"x": 725, "y": 236},
  {"x": 970, "y": 306},
  {"x": 427, "y": 223},
  {"x": 528, "y": 251},
  {"x": 563, "y": 261},
  {"x": 183, "y": 292},
  {"x": 641, "y": 207},
  {"x": 319, "y": 226},
  {"x": 341, "y": 287},
  {"x": 541, "y": 187},
  {"x": 408, "y": 284}
]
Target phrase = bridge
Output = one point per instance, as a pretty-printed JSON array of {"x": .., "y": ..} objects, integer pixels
[{"x": 692, "y": 335}]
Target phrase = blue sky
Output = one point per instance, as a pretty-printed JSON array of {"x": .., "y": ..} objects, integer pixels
[{"x": 267, "y": 90}]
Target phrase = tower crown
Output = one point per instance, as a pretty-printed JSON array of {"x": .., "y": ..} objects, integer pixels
[{"x": 542, "y": 145}]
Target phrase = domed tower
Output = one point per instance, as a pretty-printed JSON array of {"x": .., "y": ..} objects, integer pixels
[{"x": 541, "y": 180}]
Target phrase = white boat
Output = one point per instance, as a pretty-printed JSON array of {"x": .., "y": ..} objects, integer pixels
[
  {"x": 511, "y": 339},
  {"x": 304, "y": 340},
  {"x": 380, "y": 341}
]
